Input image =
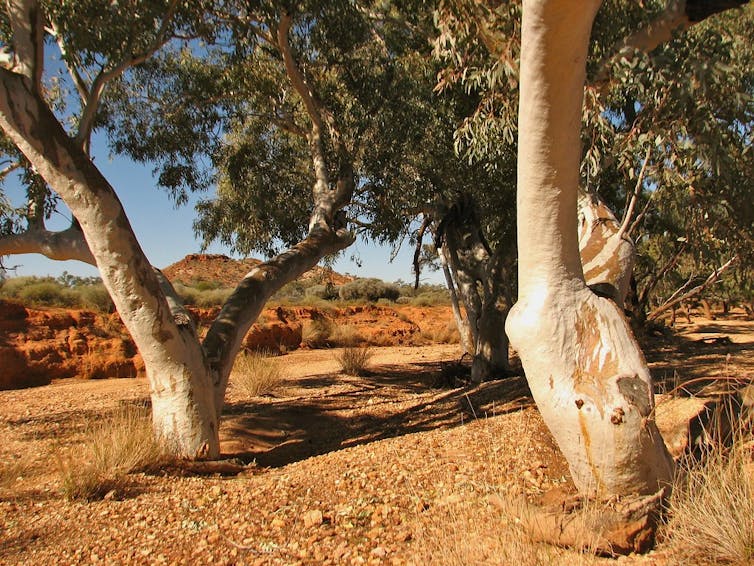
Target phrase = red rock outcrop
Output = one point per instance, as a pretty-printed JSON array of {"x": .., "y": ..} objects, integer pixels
[{"x": 37, "y": 346}]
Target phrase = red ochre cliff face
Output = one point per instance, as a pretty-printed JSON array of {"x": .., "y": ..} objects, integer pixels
[
  {"x": 41, "y": 345},
  {"x": 37, "y": 346}
]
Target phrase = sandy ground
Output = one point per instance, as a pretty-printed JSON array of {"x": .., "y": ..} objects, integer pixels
[{"x": 380, "y": 469}]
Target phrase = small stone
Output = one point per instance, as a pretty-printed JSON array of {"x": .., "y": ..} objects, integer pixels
[
  {"x": 313, "y": 518},
  {"x": 379, "y": 551},
  {"x": 216, "y": 491},
  {"x": 279, "y": 523}
]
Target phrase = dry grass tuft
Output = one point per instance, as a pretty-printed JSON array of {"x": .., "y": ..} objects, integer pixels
[
  {"x": 489, "y": 531},
  {"x": 316, "y": 333},
  {"x": 354, "y": 360},
  {"x": 711, "y": 517},
  {"x": 345, "y": 336},
  {"x": 447, "y": 335},
  {"x": 12, "y": 470},
  {"x": 114, "y": 447},
  {"x": 256, "y": 373}
]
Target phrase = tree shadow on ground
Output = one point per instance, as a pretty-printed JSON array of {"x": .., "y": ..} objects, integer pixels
[
  {"x": 337, "y": 411},
  {"x": 328, "y": 412},
  {"x": 688, "y": 366}
]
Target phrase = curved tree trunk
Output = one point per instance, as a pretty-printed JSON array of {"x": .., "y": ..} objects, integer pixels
[
  {"x": 462, "y": 322},
  {"x": 183, "y": 408},
  {"x": 187, "y": 378},
  {"x": 584, "y": 367}
]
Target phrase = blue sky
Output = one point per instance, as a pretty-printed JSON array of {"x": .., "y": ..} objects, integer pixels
[{"x": 166, "y": 234}]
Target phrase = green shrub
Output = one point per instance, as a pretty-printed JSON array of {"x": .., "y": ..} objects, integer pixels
[
  {"x": 204, "y": 298},
  {"x": 323, "y": 292},
  {"x": 46, "y": 293},
  {"x": 96, "y": 297},
  {"x": 370, "y": 290},
  {"x": 206, "y": 285},
  {"x": 66, "y": 291},
  {"x": 212, "y": 297},
  {"x": 291, "y": 293}
]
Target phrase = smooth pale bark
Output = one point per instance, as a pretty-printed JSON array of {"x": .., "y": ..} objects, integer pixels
[
  {"x": 584, "y": 367},
  {"x": 242, "y": 309},
  {"x": 65, "y": 245},
  {"x": 182, "y": 400},
  {"x": 187, "y": 378},
  {"x": 607, "y": 254},
  {"x": 464, "y": 329}
]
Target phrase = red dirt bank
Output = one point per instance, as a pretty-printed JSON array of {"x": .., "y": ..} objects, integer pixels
[{"x": 38, "y": 346}]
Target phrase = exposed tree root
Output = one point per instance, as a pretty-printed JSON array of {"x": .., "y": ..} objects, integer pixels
[{"x": 608, "y": 528}]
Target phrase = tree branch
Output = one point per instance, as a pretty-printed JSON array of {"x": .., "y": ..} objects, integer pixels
[
  {"x": 65, "y": 245},
  {"x": 223, "y": 341},
  {"x": 679, "y": 15},
  {"x": 418, "y": 250},
  {"x": 713, "y": 278},
  {"x": 27, "y": 26},
  {"x": 326, "y": 199},
  {"x": 658, "y": 275},
  {"x": 9, "y": 169},
  {"x": 91, "y": 103},
  {"x": 629, "y": 212}
]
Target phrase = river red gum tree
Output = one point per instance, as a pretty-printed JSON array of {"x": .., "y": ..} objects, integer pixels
[
  {"x": 187, "y": 377},
  {"x": 585, "y": 369}
]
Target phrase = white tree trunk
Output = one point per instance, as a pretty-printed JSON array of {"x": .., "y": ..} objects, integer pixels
[
  {"x": 183, "y": 406},
  {"x": 584, "y": 367}
]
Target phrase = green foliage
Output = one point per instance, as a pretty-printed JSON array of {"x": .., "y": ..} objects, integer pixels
[
  {"x": 325, "y": 292},
  {"x": 424, "y": 295},
  {"x": 685, "y": 108},
  {"x": 370, "y": 290},
  {"x": 66, "y": 291}
]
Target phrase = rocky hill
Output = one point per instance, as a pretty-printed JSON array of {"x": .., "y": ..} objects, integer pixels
[{"x": 227, "y": 272}]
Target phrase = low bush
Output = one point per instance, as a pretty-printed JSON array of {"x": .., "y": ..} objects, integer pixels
[
  {"x": 46, "y": 293},
  {"x": 256, "y": 373},
  {"x": 424, "y": 296},
  {"x": 203, "y": 298},
  {"x": 345, "y": 336},
  {"x": 323, "y": 292},
  {"x": 711, "y": 517},
  {"x": 95, "y": 297},
  {"x": 371, "y": 290},
  {"x": 354, "y": 360},
  {"x": 447, "y": 335},
  {"x": 66, "y": 292}
]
